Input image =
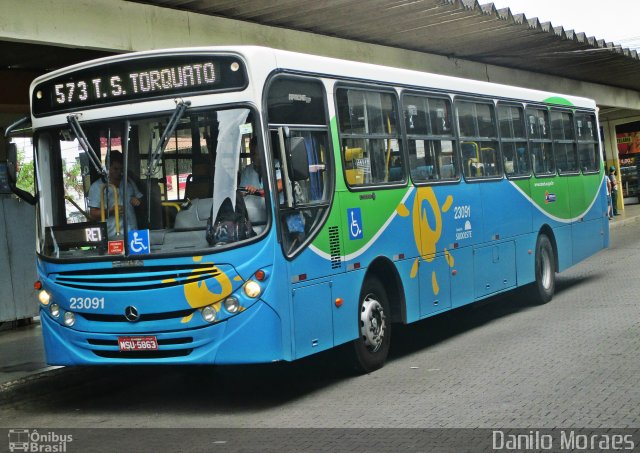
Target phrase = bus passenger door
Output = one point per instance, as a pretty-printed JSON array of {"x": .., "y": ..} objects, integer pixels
[
  {"x": 302, "y": 214},
  {"x": 303, "y": 165}
]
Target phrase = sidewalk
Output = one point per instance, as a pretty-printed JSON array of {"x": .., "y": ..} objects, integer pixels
[
  {"x": 21, "y": 353},
  {"x": 22, "y": 350},
  {"x": 630, "y": 214}
]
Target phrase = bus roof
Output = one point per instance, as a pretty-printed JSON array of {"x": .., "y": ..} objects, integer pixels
[{"x": 262, "y": 61}]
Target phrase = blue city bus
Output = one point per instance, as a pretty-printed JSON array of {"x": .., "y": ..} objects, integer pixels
[{"x": 324, "y": 201}]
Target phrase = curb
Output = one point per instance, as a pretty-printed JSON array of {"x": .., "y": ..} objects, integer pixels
[{"x": 9, "y": 386}]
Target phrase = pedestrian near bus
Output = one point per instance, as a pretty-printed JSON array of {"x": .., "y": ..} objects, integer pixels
[
  {"x": 614, "y": 189},
  {"x": 609, "y": 212}
]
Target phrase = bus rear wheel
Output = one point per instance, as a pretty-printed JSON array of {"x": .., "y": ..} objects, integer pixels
[
  {"x": 541, "y": 291},
  {"x": 370, "y": 349}
]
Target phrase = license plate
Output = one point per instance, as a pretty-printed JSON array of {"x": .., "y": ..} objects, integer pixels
[{"x": 137, "y": 343}]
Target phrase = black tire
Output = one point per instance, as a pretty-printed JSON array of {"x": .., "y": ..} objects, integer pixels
[
  {"x": 369, "y": 351},
  {"x": 541, "y": 291}
]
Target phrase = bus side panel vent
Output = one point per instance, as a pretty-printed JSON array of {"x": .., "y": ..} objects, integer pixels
[{"x": 334, "y": 246}]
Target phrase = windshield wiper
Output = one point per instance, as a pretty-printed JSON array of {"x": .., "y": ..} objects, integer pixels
[
  {"x": 154, "y": 158},
  {"x": 86, "y": 146}
]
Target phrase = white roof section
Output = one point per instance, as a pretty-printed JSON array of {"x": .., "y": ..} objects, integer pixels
[{"x": 264, "y": 61}]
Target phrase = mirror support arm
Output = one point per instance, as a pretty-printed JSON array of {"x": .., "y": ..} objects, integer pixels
[
  {"x": 22, "y": 194},
  {"x": 15, "y": 125}
]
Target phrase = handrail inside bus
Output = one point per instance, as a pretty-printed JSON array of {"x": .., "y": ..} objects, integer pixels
[{"x": 116, "y": 203}]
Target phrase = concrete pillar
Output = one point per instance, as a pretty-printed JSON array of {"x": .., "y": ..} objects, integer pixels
[{"x": 17, "y": 260}]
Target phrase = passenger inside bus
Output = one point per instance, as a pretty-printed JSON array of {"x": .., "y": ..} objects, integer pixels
[
  {"x": 251, "y": 177},
  {"x": 106, "y": 200},
  {"x": 252, "y": 183}
]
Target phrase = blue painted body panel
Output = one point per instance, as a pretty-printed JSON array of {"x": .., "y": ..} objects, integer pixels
[{"x": 486, "y": 245}]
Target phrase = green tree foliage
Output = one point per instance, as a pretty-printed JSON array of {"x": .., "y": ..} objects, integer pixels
[
  {"x": 26, "y": 174},
  {"x": 73, "y": 181},
  {"x": 26, "y": 177}
]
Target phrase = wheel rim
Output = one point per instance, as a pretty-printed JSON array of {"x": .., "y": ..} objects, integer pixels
[
  {"x": 545, "y": 268},
  {"x": 373, "y": 323}
]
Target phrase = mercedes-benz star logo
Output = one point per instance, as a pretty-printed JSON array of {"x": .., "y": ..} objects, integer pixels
[{"x": 131, "y": 313}]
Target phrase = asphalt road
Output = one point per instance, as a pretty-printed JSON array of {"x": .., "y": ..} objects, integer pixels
[{"x": 503, "y": 363}]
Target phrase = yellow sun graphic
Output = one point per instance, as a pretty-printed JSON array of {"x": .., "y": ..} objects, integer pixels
[
  {"x": 198, "y": 293},
  {"x": 426, "y": 235}
]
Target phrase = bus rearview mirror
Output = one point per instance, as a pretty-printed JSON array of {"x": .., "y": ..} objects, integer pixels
[{"x": 298, "y": 159}]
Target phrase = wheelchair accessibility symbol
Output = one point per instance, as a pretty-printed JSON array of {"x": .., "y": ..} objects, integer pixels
[
  {"x": 355, "y": 223},
  {"x": 138, "y": 242}
]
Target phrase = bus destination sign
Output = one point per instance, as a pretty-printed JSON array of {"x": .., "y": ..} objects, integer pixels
[{"x": 139, "y": 79}]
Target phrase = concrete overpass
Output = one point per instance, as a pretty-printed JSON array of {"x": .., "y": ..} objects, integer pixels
[{"x": 453, "y": 37}]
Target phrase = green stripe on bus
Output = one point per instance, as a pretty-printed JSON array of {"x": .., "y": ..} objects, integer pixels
[
  {"x": 565, "y": 197},
  {"x": 558, "y": 100}
]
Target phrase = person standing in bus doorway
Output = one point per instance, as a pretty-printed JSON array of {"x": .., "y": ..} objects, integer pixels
[
  {"x": 614, "y": 189},
  {"x": 609, "y": 213},
  {"x": 133, "y": 198}
]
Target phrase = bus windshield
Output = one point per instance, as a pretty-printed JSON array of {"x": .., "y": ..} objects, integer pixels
[{"x": 180, "y": 193}]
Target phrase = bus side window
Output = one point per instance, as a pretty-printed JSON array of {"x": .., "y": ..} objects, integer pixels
[
  {"x": 370, "y": 137},
  {"x": 564, "y": 141},
  {"x": 540, "y": 142},
  {"x": 479, "y": 139},
  {"x": 587, "y": 142},
  {"x": 430, "y": 137},
  {"x": 513, "y": 138}
]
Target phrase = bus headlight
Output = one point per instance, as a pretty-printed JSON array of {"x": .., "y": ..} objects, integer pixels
[
  {"x": 252, "y": 289},
  {"x": 54, "y": 309},
  {"x": 231, "y": 304},
  {"x": 69, "y": 319},
  {"x": 44, "y": 297},
  {"x": 209, "y": 313}
]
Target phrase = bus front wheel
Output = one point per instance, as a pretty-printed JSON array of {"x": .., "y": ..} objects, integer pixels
[
  {"x": 541, "y": 291},
  {"x": 371, "y": 348}
]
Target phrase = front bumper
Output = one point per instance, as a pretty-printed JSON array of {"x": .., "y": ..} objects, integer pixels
[{"x": 254, "y": 336}]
